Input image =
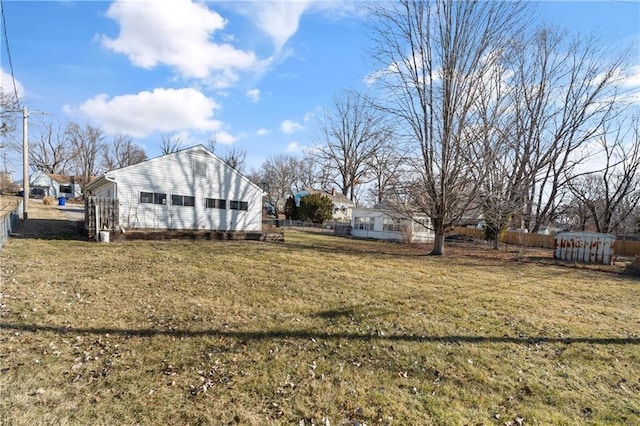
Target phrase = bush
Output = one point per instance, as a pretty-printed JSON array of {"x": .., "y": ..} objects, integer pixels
[
  {"x": 290, "y": 209},
  {"x": 49, "y": 201},
  {"x": 316, "y": 208}
]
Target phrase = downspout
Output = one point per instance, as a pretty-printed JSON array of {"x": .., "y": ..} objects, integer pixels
[
  {"x": 113, "y": 182},
  {"x": 115, "y": 192}
]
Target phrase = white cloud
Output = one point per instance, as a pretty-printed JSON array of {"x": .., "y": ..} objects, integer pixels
[
  {"x": 262, "y": 132},
  {"x": 163, "y": 110},
  {"x": 277, "y": 19},
  {"x": 178, "y": 34},
  {"x": 225, "y": 138},
  {"x": 630, "y": 83},
  {"x": 289, "y": 126},
  {"x": 294, "y": 147},
  {"x": 254, "y": 95},
  {"x": 632, "y": 77},
  {"x": 309, "y": 116},
  {"x": 6, "y": 84},
  {"x": 374, "y": 76}
]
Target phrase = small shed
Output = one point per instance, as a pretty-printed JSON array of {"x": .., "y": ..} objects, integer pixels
[{"x": 584, "y": 247}]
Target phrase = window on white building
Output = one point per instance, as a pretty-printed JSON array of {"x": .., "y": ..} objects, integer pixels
[
  {"x": 238, "y": 205},
  {"x": 215, "y": 203},
  {"x": 394, "y": 224},
  {"x": 153, "y": 198},
  {"x": 199, "y": 168},
  {"x": 183, "y": 200},
  {"x": 364, "y": 223},
  {"x": 420, "y": 224}
]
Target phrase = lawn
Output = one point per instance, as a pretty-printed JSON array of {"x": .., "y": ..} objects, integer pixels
[{"x": 319, "y": 330}]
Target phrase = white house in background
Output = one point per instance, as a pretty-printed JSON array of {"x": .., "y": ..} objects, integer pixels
[
  {"x": 190, "y": 189},
  {"x": 386, "y": 224},
  {"x": 342, "y": 205},
  {"x": 54, "y": 185}
]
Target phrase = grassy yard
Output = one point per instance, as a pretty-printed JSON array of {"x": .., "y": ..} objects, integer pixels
[{"x": 319, "y": 330}]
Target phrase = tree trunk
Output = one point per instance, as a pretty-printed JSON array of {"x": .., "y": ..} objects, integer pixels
[{"x": 438, "y": 241}]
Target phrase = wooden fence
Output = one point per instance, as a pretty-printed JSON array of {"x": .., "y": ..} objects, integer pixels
[
  {"x": 626, "y": 248},
  {"x": 620, "y": 247},
  {"x": 101, "y": 214}
]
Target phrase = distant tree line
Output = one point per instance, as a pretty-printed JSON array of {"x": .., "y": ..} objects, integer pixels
[{"x": 82, "y": 151}]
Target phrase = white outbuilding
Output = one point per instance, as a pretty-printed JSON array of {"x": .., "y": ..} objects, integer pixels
[
  {"x": 54, "y": 185},
  {"x": 390, "y": 225},
  {"x": 584, "y": 247},
  {"x": 191, "y": 189}
]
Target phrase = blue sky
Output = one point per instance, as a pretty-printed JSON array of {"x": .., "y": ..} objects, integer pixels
[{"x": 257, "y": 74}]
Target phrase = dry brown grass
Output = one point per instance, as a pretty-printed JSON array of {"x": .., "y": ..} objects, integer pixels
[
  {"x": 319, "y": 329},
  {"x": 8, "y": 203},
  {"x": 49, "y": 201}
]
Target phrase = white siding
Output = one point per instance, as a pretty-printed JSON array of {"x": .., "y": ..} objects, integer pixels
[
  {"x": 378, "y": 231},
  {"x": 105, "y": 191},
  {"x": 41, "y": 179},
  {"x": 174, "y": 174}
]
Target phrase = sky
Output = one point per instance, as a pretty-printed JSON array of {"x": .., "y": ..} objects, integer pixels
[{"x": 257, "y": 74}]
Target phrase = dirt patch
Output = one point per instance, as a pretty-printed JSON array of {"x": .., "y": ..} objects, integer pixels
[{"x": 633, "y": 268}]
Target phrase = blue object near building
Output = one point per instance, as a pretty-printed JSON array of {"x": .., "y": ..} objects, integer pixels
[{"x": 62, "y": 201}]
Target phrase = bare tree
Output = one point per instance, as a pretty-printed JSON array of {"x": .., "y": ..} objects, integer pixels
[
  {"x": 501, "y": 189},
  {"x": 313, "y": 173},
  {"x": 432, "y": 54},
  {"x": 9, "y": 107},
  {"x": 235, "y": 158},
  {"x": 352, "y": 131},
  {"x": 170, "y": 143},
  {"x": 122, "y": 152},
  {"x": 611, "y": 194},
  {"x": 212, "y": 143},
  {"x": 387, "y": 167},
  {"x": 279, "y": 176},
  {"x": 574, "y": 214},
  {"x": 52, "y": 151},
  {"x": 86, "y": 144},
  {"x": 564, "y": 92}
]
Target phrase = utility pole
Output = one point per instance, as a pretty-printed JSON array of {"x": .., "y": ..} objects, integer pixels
[{"x": 25, "y": 162}]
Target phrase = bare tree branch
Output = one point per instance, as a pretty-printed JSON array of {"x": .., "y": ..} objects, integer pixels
[
  {"x": 170, "y": 143},
  {"x": 352, "y": 132},
  {"x": 432, "y": 54},
  {"x": 122, "y": 152}
]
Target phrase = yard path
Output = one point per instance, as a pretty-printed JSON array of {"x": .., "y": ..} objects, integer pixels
[{"x": 49, "y": 222}]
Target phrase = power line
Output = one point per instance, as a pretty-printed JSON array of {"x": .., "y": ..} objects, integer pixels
[{"x": 6, "y": 41}]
